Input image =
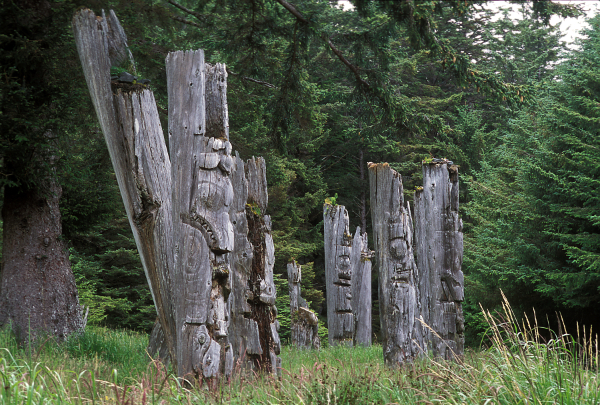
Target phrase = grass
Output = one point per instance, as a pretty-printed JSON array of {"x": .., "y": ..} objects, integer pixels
[{"x": 111, "y": 367}]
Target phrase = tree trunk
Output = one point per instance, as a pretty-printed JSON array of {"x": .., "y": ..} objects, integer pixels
[
  {"x": 133, "y": 134},
  {"x": 439, "y": 252},
  {"x": 361, "y": 288},
  {"x": 402, "y": 336},
  {"x": 38, "y": 295},
  {"x": 338, "y": 275},
  {"x": 305, "y": 323},
  {"x": 253, "y": 325}
]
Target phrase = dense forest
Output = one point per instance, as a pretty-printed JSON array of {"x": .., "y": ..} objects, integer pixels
[{"x": 319, "y": 91}]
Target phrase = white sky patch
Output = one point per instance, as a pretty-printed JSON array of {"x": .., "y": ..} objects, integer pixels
[{"x": 570, "y": 27}]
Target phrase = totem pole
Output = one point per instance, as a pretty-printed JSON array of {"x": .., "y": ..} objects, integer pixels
[
  {"x": 402, "y": 335},
  {"x": 253, "y": 321},
  {"x": 360, "y": 260},
  {"x": 338, "y": 273},
  {"x": 439, "y": 252},
  {"x": 305, "y": 324}
]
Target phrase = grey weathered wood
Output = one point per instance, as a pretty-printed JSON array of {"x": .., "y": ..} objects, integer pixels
[
  {"x": 360, "y": 260},
  {"x": 261, "y": 282},
  {"x": 338, "y": 274},
  {"x": 252, "y": 300},
  {"x": 438, "y": 232},
  {"x": 203, "y": 233},
  {"x": 305, "y": 323},
  {"x": 402, "y": 336},
  {"x": 180, "y": 213},
  {"x": 129, "y": 120}
]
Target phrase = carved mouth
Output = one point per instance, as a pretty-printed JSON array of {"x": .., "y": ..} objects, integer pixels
[
  {"x": 207, "y": 230},
  {"x": 401, "y": 276}
]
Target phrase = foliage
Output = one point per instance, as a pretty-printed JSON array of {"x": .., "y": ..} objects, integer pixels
[
  {"x": 535, "y": 203},
  {"x": 520, "y": 366}
]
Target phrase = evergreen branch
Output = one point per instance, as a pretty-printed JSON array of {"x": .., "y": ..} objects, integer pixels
[
  {"x": 183, "y": 20},
  {"x": 199, "y": 16},
  {"x": 327, "y": 39},
  {"x": 246, "y": 78},
  {"x": 292, "y": 10},
  {"x": 346, "y": 62}
]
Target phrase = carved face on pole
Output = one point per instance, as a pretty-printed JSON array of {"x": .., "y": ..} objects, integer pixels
[
  {"x": 401, "y": 271},
  {"x": 214, "y": 195},
  {"x": 343, "y": 269}
]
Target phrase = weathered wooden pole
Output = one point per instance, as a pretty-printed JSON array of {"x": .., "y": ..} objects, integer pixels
[
  {"x": 439, "y": 252},
  {"x": 253, "y": 321},
  {"x": 338, "y": 274},
  {"x": 360, "y": 261},
  {"x": 305, "y": 323},
  {"x": 179, "y": 209},
  {"x": 399, "y": 309},
  {"x": 202, "y": 194},
  {"x": 129, "y": 120}
]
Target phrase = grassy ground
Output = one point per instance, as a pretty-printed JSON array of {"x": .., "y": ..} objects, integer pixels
[{"x": 111, "y": 367}]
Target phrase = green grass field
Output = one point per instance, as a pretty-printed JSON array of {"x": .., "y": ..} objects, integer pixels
[{"x": 111, "y": 367}]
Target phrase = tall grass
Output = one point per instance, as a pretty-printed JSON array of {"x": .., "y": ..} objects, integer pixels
[{"x": 109, "y": 367}]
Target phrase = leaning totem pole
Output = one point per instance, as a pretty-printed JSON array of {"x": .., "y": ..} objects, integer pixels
[
  {"x": 180, "y": 205},
  {"x": 305, "y": 324}
]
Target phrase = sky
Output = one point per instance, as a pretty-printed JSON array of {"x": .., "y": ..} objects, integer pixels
[{"x": 570, "y": 26}]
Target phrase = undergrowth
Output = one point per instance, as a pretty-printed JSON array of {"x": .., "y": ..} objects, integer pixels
[{"x": 111, "y": 367}]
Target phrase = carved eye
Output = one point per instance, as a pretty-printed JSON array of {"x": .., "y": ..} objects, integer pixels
[
  {"x": 211, "y": 194},
  {"x": 344, "y": 262},
  {"x": 398, "y": 248}
]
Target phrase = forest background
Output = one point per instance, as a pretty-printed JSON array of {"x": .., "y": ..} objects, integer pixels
[{"x": 319, "y": 92}]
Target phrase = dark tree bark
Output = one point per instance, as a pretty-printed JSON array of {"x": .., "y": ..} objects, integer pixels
[{"x": 38, "y": 295}]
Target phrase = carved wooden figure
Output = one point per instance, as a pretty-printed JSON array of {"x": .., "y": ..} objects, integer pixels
[
  {"x": 439, "y": 252},
  {"x": 305, "y": 324},
  {"x": 202, "y": 194},
  {"x": 399, "y": 309},
  {"x": 360, "y": 260},
  {"x": 253, "y": 322},
  {"x": 338, "y": 275},
  {"x": 179, "y": 208}
]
